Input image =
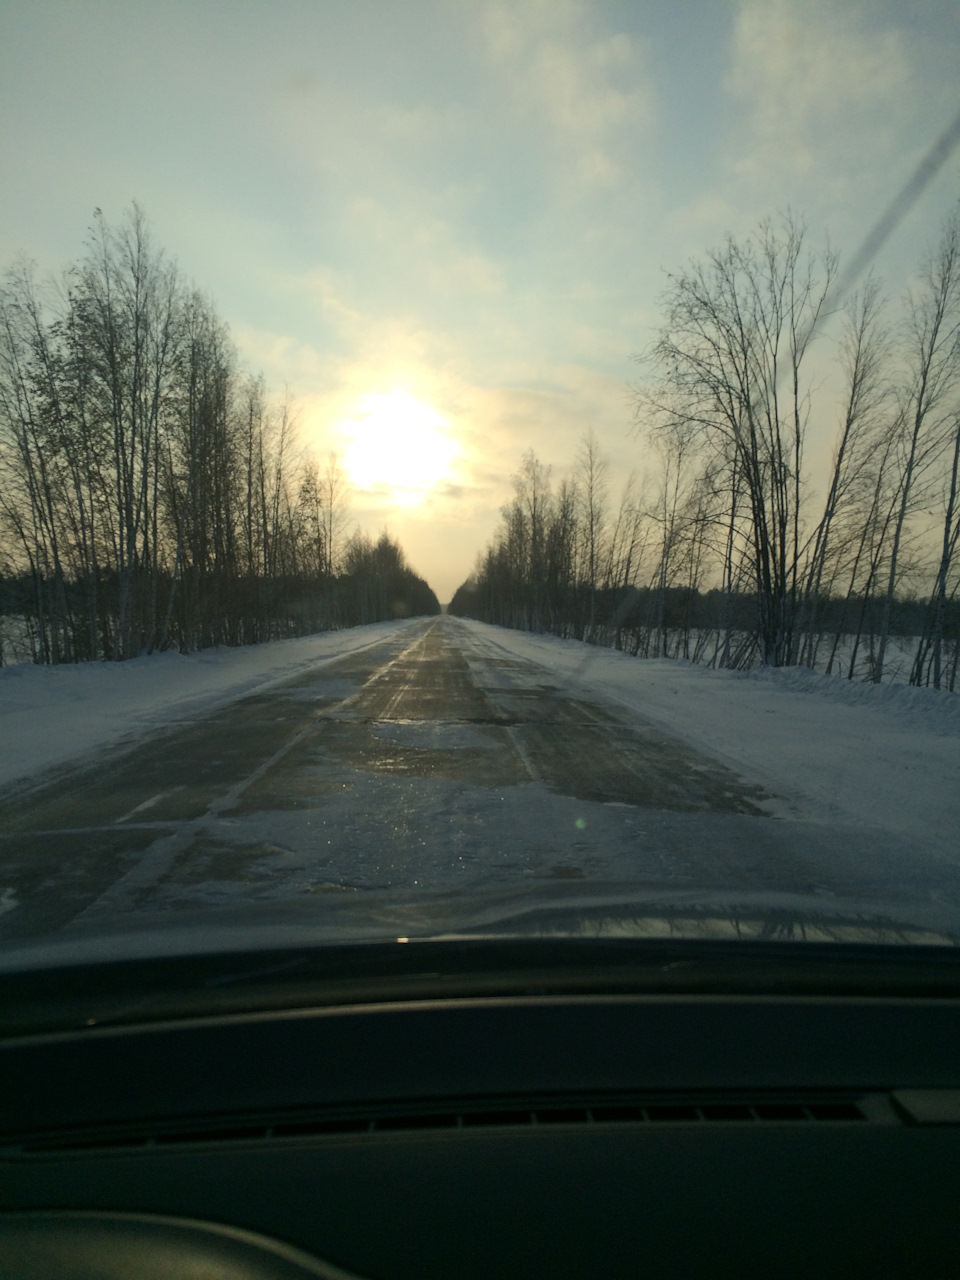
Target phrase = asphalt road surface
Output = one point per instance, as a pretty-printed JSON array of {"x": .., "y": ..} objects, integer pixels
[{"x": 429, "y": 763}]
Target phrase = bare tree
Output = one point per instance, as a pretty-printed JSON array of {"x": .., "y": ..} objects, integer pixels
[
  {"x": 866, "y": 418},
  {"x": 729, "y": 365},
  {"x": 592, "y": 502},
  {"x": 150, "y": 492},
  {"x": 928, "y": 395}
]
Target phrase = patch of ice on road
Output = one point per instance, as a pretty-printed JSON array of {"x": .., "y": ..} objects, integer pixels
[
  {"x": 435, "y": 735},
  {"x": 856, "y": 756},
  {"x": 388, "y": 833},
  {"x": 52, "y": 716},
  {"x": 882, "y": 757},
  {"x": 333, "y": 691},
  {"x": 434, "y": 837}
]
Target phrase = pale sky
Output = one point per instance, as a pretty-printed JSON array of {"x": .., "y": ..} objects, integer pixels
[{"x": 444, "y": 224}]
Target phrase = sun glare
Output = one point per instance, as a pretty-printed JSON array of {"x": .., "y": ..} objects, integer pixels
[{"x": 397, "y": 444}]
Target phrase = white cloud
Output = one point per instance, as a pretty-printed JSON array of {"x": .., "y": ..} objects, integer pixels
[
  {"x": 824, "y": 90},
  {"x": 828, "y": 109},
  {"x": 585, "y": 90},
  {"x": 428, "y": 250}
]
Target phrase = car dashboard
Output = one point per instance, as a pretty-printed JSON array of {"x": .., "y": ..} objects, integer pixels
[{"x": 565, "y": 1112}]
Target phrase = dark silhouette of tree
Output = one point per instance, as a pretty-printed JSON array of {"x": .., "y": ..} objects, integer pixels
[{"x": 151, "y": 493}]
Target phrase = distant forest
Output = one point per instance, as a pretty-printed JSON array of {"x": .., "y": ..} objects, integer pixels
[
  {"x": 724, "y": 552},
  {"x": 151, "y": 495}
]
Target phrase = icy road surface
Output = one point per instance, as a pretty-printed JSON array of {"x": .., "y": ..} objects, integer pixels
[{"x": 444, "y": 758}]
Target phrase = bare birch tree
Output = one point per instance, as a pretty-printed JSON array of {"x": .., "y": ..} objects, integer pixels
[{"x": 928, "y": 395}]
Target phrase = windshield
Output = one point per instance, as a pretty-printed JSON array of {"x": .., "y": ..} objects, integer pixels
[{"x": 478, "y": 471}]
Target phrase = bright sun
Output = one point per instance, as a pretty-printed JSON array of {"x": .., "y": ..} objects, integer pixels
[{"x": 398, "y": 444}]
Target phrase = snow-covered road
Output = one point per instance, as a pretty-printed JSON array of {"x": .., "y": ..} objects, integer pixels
[{"x": 444, "y": 760}]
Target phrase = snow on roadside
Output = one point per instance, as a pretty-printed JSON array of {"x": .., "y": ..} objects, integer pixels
[
  {"x": 854, "y": 754},
  {"x": 870, "y": 756},
  {"x": 51, "y": 716}
]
